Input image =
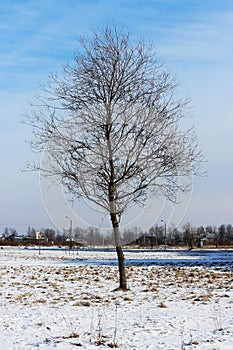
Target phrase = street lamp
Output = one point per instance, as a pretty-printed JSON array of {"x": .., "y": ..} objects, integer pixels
[
  {"x": 67, "y": 217},
  {"x": 165, "y": 233}
]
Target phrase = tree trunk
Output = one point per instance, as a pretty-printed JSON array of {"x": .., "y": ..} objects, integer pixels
[
  {"x": 113, "y": 209},
  {"x": 120, "y": 254},
  {"x": 121, "y": 266}
]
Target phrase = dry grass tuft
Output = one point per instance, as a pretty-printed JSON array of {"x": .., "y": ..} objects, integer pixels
[
  {"x": 82, "y": 303},
  {"x": 162, "y": 305}
]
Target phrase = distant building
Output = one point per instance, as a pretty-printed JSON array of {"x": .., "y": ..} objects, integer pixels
[{"x": 146, "y": 240}]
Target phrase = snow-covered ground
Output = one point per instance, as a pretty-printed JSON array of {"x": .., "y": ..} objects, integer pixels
[{"x": 56, "y": 300}]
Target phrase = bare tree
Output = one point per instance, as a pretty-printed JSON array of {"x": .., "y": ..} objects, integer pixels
[
  {"x": 189, "y": 234},
  {"x": 110, "y": 126}
]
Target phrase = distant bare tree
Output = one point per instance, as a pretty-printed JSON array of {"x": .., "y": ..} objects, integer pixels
[
  {"x": 131, "y": 234},
  {"x": 229, "y": 234},
  {"x": 110, "y": 126},
  {"x": 222, "y": 234},
  {"x": 189, "y": 234},
  {"x": 49, "y": 234},
  {"x": 31, "y": 232}
]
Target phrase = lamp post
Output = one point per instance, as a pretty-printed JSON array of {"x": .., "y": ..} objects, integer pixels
[
  {"x": 70, "y": 235},
  {"x": 38, "y": 237},
  {"x": 165, "y": 234}
]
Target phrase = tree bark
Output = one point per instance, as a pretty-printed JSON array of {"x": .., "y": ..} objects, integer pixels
[
  {"x": 121, "y": 266},
  {"x": 120, "y": 254},
  {"x": 113, "y": 209}
]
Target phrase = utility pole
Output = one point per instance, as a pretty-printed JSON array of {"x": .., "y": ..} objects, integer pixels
[
  {"x": 70, "y": 234},
  {"x": 38, "y": 237},
  {"x": 165, "y": 234}
]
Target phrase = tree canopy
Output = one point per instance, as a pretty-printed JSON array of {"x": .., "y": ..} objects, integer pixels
[{"x": 110, "y": 125}]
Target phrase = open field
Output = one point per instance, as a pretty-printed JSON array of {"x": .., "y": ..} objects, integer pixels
[{"x": 56, "y": 300}]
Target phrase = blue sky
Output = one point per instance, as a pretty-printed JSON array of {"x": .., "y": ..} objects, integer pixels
[{"x": 193, "y": 37}]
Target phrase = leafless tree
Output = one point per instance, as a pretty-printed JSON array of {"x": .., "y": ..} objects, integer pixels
[
  {"x": 190, "y": 234},
  {"x": 110, "y": 124}
]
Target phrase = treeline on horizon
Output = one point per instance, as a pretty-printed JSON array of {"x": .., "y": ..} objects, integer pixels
[{"x": 155, "y": 236}]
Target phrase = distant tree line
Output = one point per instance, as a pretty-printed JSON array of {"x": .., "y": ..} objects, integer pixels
[
  {"x": 156, "y": 236},
  {"x": 91, "y": 236},
  {"x": 193, "y": 236}
]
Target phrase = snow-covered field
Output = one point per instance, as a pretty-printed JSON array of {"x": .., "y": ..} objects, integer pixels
[{"x": 56, "y": 300}]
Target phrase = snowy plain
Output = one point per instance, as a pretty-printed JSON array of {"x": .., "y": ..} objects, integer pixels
[{"x": 177, "y": 300}]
